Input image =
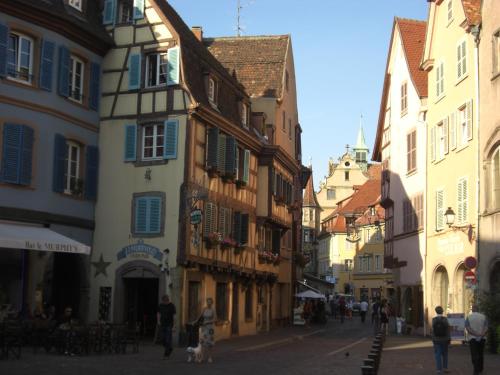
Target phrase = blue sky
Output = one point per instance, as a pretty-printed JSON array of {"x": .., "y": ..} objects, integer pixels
[{"x": 340, "y": 51}]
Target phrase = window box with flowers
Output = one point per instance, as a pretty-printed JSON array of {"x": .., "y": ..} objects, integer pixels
[
  {"x": 240, "y": 184},
  {"x": 238, "y": 248},
  {"x": 227, "y": 243},
  {"x": 212, "y": 240},
  {"x": 269, "y": 258}
]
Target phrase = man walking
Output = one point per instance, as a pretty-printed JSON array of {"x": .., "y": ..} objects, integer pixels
[
  {"x": 165, "y": 320},
  {"x": 363, "y": 308},
  {"x": 476, "y": 326},
  {"x": 440, "y": 340}
]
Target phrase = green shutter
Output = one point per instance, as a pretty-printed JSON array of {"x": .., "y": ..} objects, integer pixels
[
  {"x": 212, "y": 147},
  {"x": 246, "y": 166},
  {"x": 134, "y": 72},
  {"x": 173, "y": 59},
  {"x": 130, "y": 142},
  {"x": 171, "y": 139},
  {"x": 141, "y": 215}
]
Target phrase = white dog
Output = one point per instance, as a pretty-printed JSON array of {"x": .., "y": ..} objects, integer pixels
[{"x": 195, "y": 354}]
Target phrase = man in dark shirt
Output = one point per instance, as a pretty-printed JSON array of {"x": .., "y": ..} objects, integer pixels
[{"x": 165, "y": 319}]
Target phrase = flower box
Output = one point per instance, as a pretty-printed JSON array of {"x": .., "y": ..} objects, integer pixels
[{"x": 240, "y": 184}]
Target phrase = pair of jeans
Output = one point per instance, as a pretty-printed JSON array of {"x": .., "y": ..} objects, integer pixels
[
  {"x": 477, "y": 354},
  {"x": 167, "y": 339},
  {"x": 441, "y": 354}
]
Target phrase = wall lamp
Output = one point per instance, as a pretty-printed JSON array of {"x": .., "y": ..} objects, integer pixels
[{"x": 450, "y": 219}]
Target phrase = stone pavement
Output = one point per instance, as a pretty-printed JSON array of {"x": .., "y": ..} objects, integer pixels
[{"x": 411, "y": 355}]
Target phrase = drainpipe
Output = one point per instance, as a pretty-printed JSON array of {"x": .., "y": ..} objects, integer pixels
[{"x": 475, "y": 31}]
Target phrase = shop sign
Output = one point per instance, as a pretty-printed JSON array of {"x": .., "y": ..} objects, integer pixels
[
  {"x": 140, "y": 250},
  {"x": 450, "y": 246},
  {"x": 195, "y": 216},
  {"x": 457, "y": 324}
]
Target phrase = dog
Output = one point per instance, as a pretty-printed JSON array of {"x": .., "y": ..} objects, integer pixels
[{"x": 195, "y": 354}]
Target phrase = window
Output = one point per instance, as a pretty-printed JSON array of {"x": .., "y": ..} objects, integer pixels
[
  {"x": 461, "y": 59},
  {"x": 496, "y": 53},
  {"x": 153, "y": 141},
  {"x": 311, "y": 214},
  {"x": 368, "y": 263},
  {"x": 20, "y": 57},
  {"x": 377, "y": 263},
  {"x": 212, "y": 90},
  {"x": 156, "y": 69},
  {"x": 72, "y": 182},
  {"x": 360, "y": 157},
  {"x": 244, "y": 115},
  {"x": 360, "y": 263},
  {"x": 307, "y": 235},
  {"x": 77, "y": 4},
  {"x": 306, "y": 214},
  {"x": 194, "y": 312},
  {"x": 440, "y": 209},
  {"x": 330, "y": 194},
  {"x": 76, "y": 75},
  {"x": 462, "y": 201},
  {"x": 125, "y": 11},
  {"x": 283, "y": 120},
  {"x": 450, "y": 11},
  {"x": 249, "y": 303},
  {"x": 408, "y": 215},
  {"x": 442, "y": 139},
  {"x": 465, "y": 124},
  {"x": 411, "y": 151},
  {"x": 495, "y": 171},
  {"x": 148, "y": 214},
  {"x": 367, "y": 235},
  {"x": 17, "y": 154},
  {"x": 418, "y": 207},
  {"x": 221, "y": 302},
  {"x": 241, "y": 223},
  {"x": 346, "y": 175},
  {"x": 210, "y": 219},
  {"x": 404, "y": 98},
  {"x": 440, "y": 80}
]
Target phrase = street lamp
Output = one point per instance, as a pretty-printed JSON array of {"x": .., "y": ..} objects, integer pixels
[
  {"x": 450, "y": 216},
  {"x": 450, "y": 219}
]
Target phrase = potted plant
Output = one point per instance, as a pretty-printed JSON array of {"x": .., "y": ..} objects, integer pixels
[
  {"x": 240, "y": 184},
  {"x": 212, "y": 240},
  {"x": 227, "y": 243}
]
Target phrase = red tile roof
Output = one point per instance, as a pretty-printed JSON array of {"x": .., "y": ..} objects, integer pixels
[
  {"x": 258, "y": 61},
  {"x": 472, "y": 10},
  {"x": 413, "y": 38},
  {"x": 310, "y": 199},
  {"x": 367, "y": 195},
  {"x": 368, "y": 219}
]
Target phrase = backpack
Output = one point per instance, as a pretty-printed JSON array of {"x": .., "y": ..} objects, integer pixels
[{"x": 440, "y": 327}]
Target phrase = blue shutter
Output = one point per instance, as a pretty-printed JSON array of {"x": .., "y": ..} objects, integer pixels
[
  {"x": 212, "y": 147},
  {"x": 46, "y": 65},
  {"x": 26, "y": 156},
  {"x": 154, "y": 215},
  {"x": 130, "y": 142},
  {"x": 95, "y": 78},
  {"x": 171, "y": 139},
  {"x": 11, "y": 152},
  {"x": 237, "y": 227},
  {"x": 141, "y": 215},
  {"x": 109, "y": 12},
  {"x": 92, "y": 164},
  {"x": 173, "y": 66},
  {"x": 138, "y": 9},
  {"x": 134, "y": 72},
  {"x": 59, "y": 160},
  {"x": 63, "y": 84},
  {"x": 4, "y": 42}
]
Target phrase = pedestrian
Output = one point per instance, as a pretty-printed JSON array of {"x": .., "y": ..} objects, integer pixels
[
  {"x": 400, "y": 321},
  {"x": 440, "y": 340},
  {"x": 376, "y": 316},
  {"x": 477, "y": 327},
  {"x": 384, "y": 317},
  {"x": 349, "y": 308},
  {"x": 342, "y": 309},
  {"x": 363, "y": 308},
  {"x": 165, "y": 320},
  {"x": 207, "y": 338}
]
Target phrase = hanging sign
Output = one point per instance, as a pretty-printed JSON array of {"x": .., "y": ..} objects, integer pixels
[
  {"x": 139, "y": 250},
  {"x": 195, "y": 216}
]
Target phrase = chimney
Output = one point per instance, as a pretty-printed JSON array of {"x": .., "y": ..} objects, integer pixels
[{"x": 198, "y": 32}]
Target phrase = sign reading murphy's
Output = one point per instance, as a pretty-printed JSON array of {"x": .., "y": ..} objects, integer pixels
[{"x": 140, "y": 248}]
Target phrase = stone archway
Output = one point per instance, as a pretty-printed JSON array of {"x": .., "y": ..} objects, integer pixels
[
  {"x": 462, "y": 295},
  {"x": 440, "y": 285}
]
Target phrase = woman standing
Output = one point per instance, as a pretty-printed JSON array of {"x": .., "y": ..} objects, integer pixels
[{"x": 207, "y": 319}]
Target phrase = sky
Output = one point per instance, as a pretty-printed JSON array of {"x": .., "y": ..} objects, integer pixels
[{"x": 340, "y": 52}]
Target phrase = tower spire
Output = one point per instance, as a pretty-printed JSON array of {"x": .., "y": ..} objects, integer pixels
[{"x": 361, "y": 149}]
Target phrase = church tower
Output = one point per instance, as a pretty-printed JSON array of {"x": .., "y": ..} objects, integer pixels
[{"x": 360, "y": 151}]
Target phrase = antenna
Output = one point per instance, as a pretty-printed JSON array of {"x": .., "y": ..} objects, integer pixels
[{"x": 240, "y": 6}]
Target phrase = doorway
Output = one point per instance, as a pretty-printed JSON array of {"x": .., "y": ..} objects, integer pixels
[
  {"x": 235, "y": 310},
  {"x": 141, "y": 303},
  {"x": 67, "y": 283}
]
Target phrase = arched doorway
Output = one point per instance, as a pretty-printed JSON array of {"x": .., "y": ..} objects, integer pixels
[
  {"x": 462, "y": 294},
  {"x": 440, "y": 288},
  {"x": 495, "y": 278}
]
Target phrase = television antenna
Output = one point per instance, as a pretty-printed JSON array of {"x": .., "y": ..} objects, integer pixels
[{"x": 240, "y": 6}]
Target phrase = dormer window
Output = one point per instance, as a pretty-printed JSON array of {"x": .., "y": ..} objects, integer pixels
[
  {"x": 212, "y": 90},
  {"x": 244, "y": 115},
  {"x": 77, "y": 4},
  {"x": 125, "y": 14}
]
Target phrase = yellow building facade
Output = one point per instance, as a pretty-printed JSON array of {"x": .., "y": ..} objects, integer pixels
[{"x": 450, "y": 58}]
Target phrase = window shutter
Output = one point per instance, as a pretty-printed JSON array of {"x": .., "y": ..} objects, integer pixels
[
  {"x": 109, "y": 12},
  {"x": 212, "y": 147},
  {"x": 154, "y": 215},
  {"x": 244, "y": 228},
  {"x": 221, "y": 154},
  {"x": 230, "y": 166},
  {"x": 4, "y": 43},
  {"x": 439, "y": 209},
  {"x": 459, "y": 202},
  {"x": 438, "y": 68},
  {"x": 459, "y": 60},
  {"x": 222, "y": 222},
  {"x": 141, "y": 215},
  {"x": 130, "y": 142},
  {"x": 408, "y": 152},
  {"x": 464, "y": 57},
  {"x": 246, "y": 167},
  {"x": 445, "y": 136},
  {"x": 92, "y": 164},
  {"x": 63, "y": 82},
  {"x": 465, "y": 201},
  {"x": 138, "y": 9},
  {"x": 173, "y": 60},
  {"x": 469, "y": 117},
  {"x": 12, "y": 144},
  {"x": 26, "y": 158},
  {"x": 210, "y": 219},
  {"x": 134, "y": 71},
  {"x": 46, "y": 65},
  {"x": 433, "y": 143},
  {"x": 171, "y": 139},
  {"x": 453, "y": 131},
  {"x": 59, "y": 160},
  {"x": 95, "y": 77},
  {"x": 237, "y": 227}
]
